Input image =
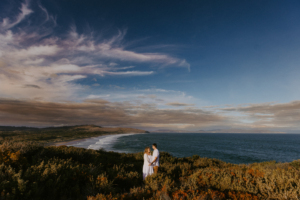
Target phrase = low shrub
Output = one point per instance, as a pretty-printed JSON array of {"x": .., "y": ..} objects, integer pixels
[{"x": 29, "y": 170}]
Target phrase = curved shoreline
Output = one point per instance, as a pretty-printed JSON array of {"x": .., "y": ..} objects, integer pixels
[{"x": 98, "y": 142}]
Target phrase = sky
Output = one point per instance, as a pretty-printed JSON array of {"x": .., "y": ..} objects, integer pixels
[{"x": 156, "y": 65}]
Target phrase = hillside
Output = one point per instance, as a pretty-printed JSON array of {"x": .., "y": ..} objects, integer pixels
[
  {"x": 59, "y": 134},
  {"x": 32, "y": 171}
]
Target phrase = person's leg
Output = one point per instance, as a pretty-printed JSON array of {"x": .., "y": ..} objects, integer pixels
[{"x": 155, "y": 168}]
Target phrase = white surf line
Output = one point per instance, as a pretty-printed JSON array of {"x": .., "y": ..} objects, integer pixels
[
  {"x": 84, "y": 143},
  {"x": 107, "y": 142}
]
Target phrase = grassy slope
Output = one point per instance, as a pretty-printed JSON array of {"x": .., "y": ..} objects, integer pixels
[{"x": 30, "y": 170}]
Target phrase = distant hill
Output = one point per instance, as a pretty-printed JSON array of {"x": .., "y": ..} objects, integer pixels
[
  {"x": 93, "y": 128},
  {"x": 16, "y": 128},
  {"x": 216, "y": 131},
  {"x": 237, "y": 131},
  {"x": 58, "y": 134},
  {"x": 85, "y": 128}
]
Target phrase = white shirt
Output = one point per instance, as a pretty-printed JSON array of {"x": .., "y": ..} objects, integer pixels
[{"x": 156, "y": 154}]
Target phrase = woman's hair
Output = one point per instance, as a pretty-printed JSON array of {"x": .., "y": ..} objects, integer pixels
[{"x": 146, "y": 149}]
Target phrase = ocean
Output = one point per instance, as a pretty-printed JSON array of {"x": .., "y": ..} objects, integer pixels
[{"x": 233, "y": 148}]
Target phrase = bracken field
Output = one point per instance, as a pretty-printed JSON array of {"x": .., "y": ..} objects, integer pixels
[{"x": 30, "y": 170}]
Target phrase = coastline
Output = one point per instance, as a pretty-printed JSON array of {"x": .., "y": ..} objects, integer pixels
[
  {"x": 82, "y": 168},
  {"x": 91, "y": 142},
  {"x": 66, "y": 142},
  {"x": 59, "y": 136}
]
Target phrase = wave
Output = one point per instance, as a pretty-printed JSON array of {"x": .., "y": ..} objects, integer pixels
[{"x": 102, "y": 142}]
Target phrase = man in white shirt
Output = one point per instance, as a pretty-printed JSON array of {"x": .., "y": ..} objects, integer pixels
[{"x": 155, "y": 161}]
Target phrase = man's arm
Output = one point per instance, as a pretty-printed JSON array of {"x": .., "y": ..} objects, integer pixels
[
  {"x": 153, "y": 161},
  {"x": 155, "y": 157}
]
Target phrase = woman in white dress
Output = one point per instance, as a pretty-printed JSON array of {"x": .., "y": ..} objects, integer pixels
[{"x": 147, "y": 170}]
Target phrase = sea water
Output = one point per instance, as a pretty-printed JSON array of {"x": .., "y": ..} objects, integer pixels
[{"x": 233, "y": 148}]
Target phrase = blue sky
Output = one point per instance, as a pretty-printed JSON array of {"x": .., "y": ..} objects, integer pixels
[{"x": 196, "y": 65}]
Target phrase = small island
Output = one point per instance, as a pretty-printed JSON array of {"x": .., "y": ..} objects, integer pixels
[{"x": 33, "y": 169}]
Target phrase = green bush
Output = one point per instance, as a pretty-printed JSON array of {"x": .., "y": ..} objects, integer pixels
[{"x": 28, "y": 170}]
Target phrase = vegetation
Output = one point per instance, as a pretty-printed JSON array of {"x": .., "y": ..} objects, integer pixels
[
  {"x": 29, "y": 170},
  {"x": 51, "y": 135}
]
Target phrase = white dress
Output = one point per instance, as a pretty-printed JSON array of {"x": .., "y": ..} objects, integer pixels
[{"x": 147, "y": 170}]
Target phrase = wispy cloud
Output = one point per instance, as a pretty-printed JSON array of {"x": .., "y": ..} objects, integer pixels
[
  {"x": 281, "y": 116},
  {"x": 40, "y": 71},
  {"x": 158, "y": 96},
  {"x": 33, "y": 55},
  {"x": 177, "y": 104},
  {"x": 130, "y": 73},
  {"x": 10, "y": 23},
  {"x": 32, "y": 86}
]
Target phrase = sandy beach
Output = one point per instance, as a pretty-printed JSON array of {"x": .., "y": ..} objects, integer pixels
[
  {"x": 88, "y": 132},
  {"x": 66, "y": 143},
  {"x": 99, "y": 142}
]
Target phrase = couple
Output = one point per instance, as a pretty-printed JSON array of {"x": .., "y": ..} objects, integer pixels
[{"x": 151, "y": 163}]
